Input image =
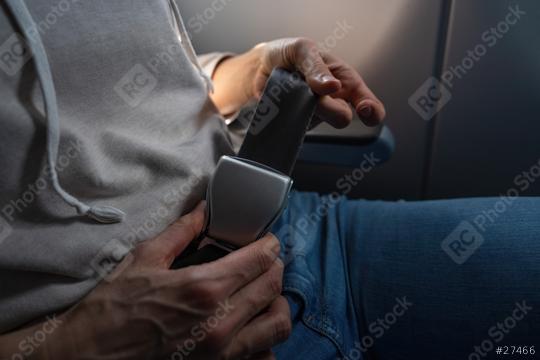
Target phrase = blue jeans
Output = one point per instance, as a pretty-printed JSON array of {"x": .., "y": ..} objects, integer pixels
[{"x": 450, "y": 279}]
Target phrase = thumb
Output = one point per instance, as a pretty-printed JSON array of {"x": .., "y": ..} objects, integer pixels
[
  {"x": 164, "y": 248},
  {"x": 300, "y": 54}
]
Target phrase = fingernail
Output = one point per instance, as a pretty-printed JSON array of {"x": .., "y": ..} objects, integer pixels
[
  {"x": 365, "y": 111},
  {"x": 326, "y": 78}
]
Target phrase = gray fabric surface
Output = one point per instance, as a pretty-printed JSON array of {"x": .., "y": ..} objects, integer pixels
[{"x": 138, "y": 132}]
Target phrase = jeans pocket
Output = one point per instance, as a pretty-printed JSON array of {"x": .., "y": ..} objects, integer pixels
[{"x": 310, "y": 339}]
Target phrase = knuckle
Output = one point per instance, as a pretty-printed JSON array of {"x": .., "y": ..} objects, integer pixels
[
  {"x": 303, "y": 43},
  {"x": 207, "y": 294},
  {"x": 275, "y": 279},
  {"x": 264, "y": 259},
  {"x": 303, "y": 47},
  {"x": 189, "y": 276},
  {"x": 253, "y": 305}
]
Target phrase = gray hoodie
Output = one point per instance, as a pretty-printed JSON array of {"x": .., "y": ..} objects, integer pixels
[{"x": 137, "y": 138}]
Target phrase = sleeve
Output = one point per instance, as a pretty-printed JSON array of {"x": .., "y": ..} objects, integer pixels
[
  {"x": 237, "y": 129},
  {"x": 209, "y": 62}
]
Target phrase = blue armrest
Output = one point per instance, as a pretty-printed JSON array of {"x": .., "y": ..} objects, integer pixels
[{"x": 348, "y": 148}]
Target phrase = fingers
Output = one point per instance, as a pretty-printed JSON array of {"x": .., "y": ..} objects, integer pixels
[
  {"x": 300, "y": 54},
  {"x": 256, "y": 296},
  {"x": 308, "y": 60},
  {"x": 242, "y": 266},
  {"x": 264, "y": 332},
  {"x": 164, "y": 248},
  {"x": 355, "y": 91},
  {"x": 328, "y": 75},
  {"x": 336, "y": 112},
  {"x": 367, "y": 106}
]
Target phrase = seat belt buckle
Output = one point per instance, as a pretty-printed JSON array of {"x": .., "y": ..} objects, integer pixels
[
  {"x": 244, "y": 199},
  {"x": 248, "y": 193}
]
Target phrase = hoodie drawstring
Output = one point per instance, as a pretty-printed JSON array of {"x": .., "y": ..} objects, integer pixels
[
  {"x": 102, "y": 214},
  {"x": 188, "y": 46}
]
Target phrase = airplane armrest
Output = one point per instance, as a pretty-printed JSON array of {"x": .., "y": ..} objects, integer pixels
[{"x": 347, "y": 147}]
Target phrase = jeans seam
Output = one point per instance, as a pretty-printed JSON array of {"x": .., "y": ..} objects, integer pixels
[{"x": 320, "y": 326}]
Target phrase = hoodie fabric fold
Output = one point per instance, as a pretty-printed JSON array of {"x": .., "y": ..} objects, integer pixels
[{"x": 108, "y": 114}]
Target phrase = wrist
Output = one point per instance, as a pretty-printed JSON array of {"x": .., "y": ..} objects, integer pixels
[
  {"x": 58, "y": 338},
  {"x": 233, "y": 80},
  {"x": 42, "y": 341}
]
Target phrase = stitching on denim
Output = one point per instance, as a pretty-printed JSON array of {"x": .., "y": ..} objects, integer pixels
[{"x": 312, "y": 321}]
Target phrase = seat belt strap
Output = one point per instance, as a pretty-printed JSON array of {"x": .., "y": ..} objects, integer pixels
[
  {"x": 248, "y": 193},
  {"x": 280, "y": 122}
]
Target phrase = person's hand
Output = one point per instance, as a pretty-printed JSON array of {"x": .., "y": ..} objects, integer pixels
[
  {"x": 227, "y": 309},
  {"x": 239, "y": 79}
]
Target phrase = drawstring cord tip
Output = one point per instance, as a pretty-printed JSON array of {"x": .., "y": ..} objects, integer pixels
[{"x": 105, "y": 214}]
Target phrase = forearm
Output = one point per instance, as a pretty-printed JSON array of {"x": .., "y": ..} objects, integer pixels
[
  {"x": 233, "y": 79},
  {"x": 43, "y": 341}
]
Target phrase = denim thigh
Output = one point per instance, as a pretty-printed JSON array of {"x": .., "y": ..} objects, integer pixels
[{"x": 449, "y": 279}]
